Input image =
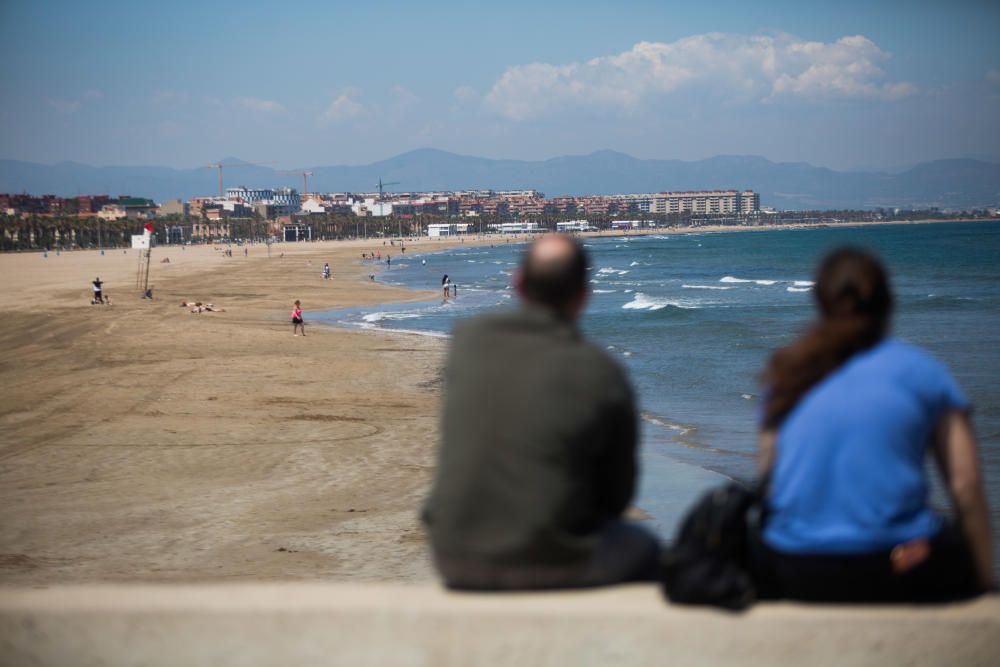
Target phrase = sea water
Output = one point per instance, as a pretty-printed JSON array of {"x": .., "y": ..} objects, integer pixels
[{"x": 694, "y": 317}]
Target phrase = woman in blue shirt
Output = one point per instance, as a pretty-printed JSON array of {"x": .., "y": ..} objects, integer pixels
[{"x": 849, "y": 417}]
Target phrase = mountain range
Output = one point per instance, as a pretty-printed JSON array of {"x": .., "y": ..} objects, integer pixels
[{"x": 954, "y": 184}]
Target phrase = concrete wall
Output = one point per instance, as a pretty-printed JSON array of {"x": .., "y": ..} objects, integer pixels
[{"x": 306, "y": 624}]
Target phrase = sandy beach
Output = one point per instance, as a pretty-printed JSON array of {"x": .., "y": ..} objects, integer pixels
[{"x": 143, "y": 442}]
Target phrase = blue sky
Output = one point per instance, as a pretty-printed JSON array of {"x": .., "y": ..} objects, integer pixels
[{"x": 844, "y": 84}]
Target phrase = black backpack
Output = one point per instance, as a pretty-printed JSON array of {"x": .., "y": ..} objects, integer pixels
[{"x": 708, "y": 562}]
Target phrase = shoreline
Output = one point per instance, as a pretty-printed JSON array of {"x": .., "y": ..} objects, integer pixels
[{"x": 142, "y": 442}]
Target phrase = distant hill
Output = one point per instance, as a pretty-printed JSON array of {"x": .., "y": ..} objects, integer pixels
[{"x": 963, "y": 183}]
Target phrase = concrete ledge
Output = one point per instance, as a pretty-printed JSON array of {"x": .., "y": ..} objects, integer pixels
[{"x": 305, "y": 624}]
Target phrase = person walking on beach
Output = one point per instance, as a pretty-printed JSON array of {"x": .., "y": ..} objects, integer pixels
[
  {"x": 537, "y": 460},
  {"x": 98, "y": 298},
  {"x": 297, "y": 321},
  {"x": 850, "y": 418},
  {"x": 326, "y": 271},
  {"x": 446, "y": 286}
]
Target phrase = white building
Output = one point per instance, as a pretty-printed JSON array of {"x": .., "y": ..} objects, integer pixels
[
  {"x": 573, "y": 226},
  {"x": 313, "y": 206},
  {"x": 444, "y": 229},
  {"x": 517, "y": 228},
  {"x": 371, "y": 206}
]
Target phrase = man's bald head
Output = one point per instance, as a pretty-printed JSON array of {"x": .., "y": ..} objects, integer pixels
[{"x": 554, "y": 274}]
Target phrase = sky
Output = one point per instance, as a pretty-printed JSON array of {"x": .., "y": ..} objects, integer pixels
[{"x": 847, "y": 85}]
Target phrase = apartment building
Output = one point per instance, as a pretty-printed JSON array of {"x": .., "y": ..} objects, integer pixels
[{"x": 709, "y": 202}]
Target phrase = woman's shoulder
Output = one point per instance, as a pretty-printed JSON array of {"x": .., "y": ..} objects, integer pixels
[
  {"x": 909, "y": 352},
  {"x": 915, "y": 362}
]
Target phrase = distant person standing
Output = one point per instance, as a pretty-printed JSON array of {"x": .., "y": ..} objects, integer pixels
[
  {"x": 297, "y": 321},
  {"x": 98, "y": 293},
  {"x": 326, "y": 271},
  {"x": 446, "y": 286}
]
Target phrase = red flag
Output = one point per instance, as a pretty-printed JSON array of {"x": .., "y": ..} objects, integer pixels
[{"x": 148, "y": 227}]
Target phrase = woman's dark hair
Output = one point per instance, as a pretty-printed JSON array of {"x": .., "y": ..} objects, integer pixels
[{"x": 855, "y": 303}]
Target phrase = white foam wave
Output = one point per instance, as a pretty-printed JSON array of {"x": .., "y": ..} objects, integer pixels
[
  {"x": 731, "y": 279},
  {"x": 603, "y": 291},
  {"x": 634, "y": 264},
  {"x": 373, "y": 318},
  {"x": 610, "y": 271},
  {"x": 643, "y": 302},
  {"x": 708, "y": 286},
  {"x": 797, "y": 289},
  {"x": 683, "y": 430},
  {"x": 803, "y": 283}
]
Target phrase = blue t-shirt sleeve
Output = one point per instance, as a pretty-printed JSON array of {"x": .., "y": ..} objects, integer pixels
[
  {"x": 937, "y": 384},
  {"x": 952, "y": 396}
]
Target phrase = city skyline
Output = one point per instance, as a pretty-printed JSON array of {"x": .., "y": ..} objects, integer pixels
[{"x": 839, "y": 85}]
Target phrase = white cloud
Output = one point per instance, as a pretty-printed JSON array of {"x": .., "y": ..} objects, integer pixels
[
  {"x": 732, "y": 67},
  {"x": 72, "y": 106},
  {"x": 402, "y": 98},
  {"x": 257, "y": 104},
  {"x": 170, "y": 97},
  {"x": 64, "y": 106},
  {"x": 465, "y": 94},
  {"x": 344, "y": 107}
]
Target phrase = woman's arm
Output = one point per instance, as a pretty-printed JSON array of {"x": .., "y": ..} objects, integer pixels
[{"x": 958, "y": 458}]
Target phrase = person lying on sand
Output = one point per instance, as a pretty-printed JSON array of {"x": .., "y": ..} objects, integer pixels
[{"x": 199, "y": 307}]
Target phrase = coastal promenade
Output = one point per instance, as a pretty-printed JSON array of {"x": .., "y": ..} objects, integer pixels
[{"x": 387, "y": 624}]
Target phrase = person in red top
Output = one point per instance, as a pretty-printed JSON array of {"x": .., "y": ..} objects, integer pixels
[{"x": 297, "y": 319}]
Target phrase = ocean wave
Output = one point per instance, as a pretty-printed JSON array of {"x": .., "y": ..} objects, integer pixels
[
  {"x": 374, "y": 318},
  {"x": 798, "y": 289},
  {"x": 708, "y": 287},
  {"x": 643, "y": 302},
  {"x": 603, "y": 291},
  {"x": 610, "y": 271},
  {"x": 803, "y": 283},
  {"x": 656, "y": 421},
  {"x": 684, "y": 435},
  {"x": 409, "y": 332},
  {"x": 731, "y": 279}
]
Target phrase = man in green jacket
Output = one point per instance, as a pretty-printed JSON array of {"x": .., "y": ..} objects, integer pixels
[{"x": 537, "y": 459}]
